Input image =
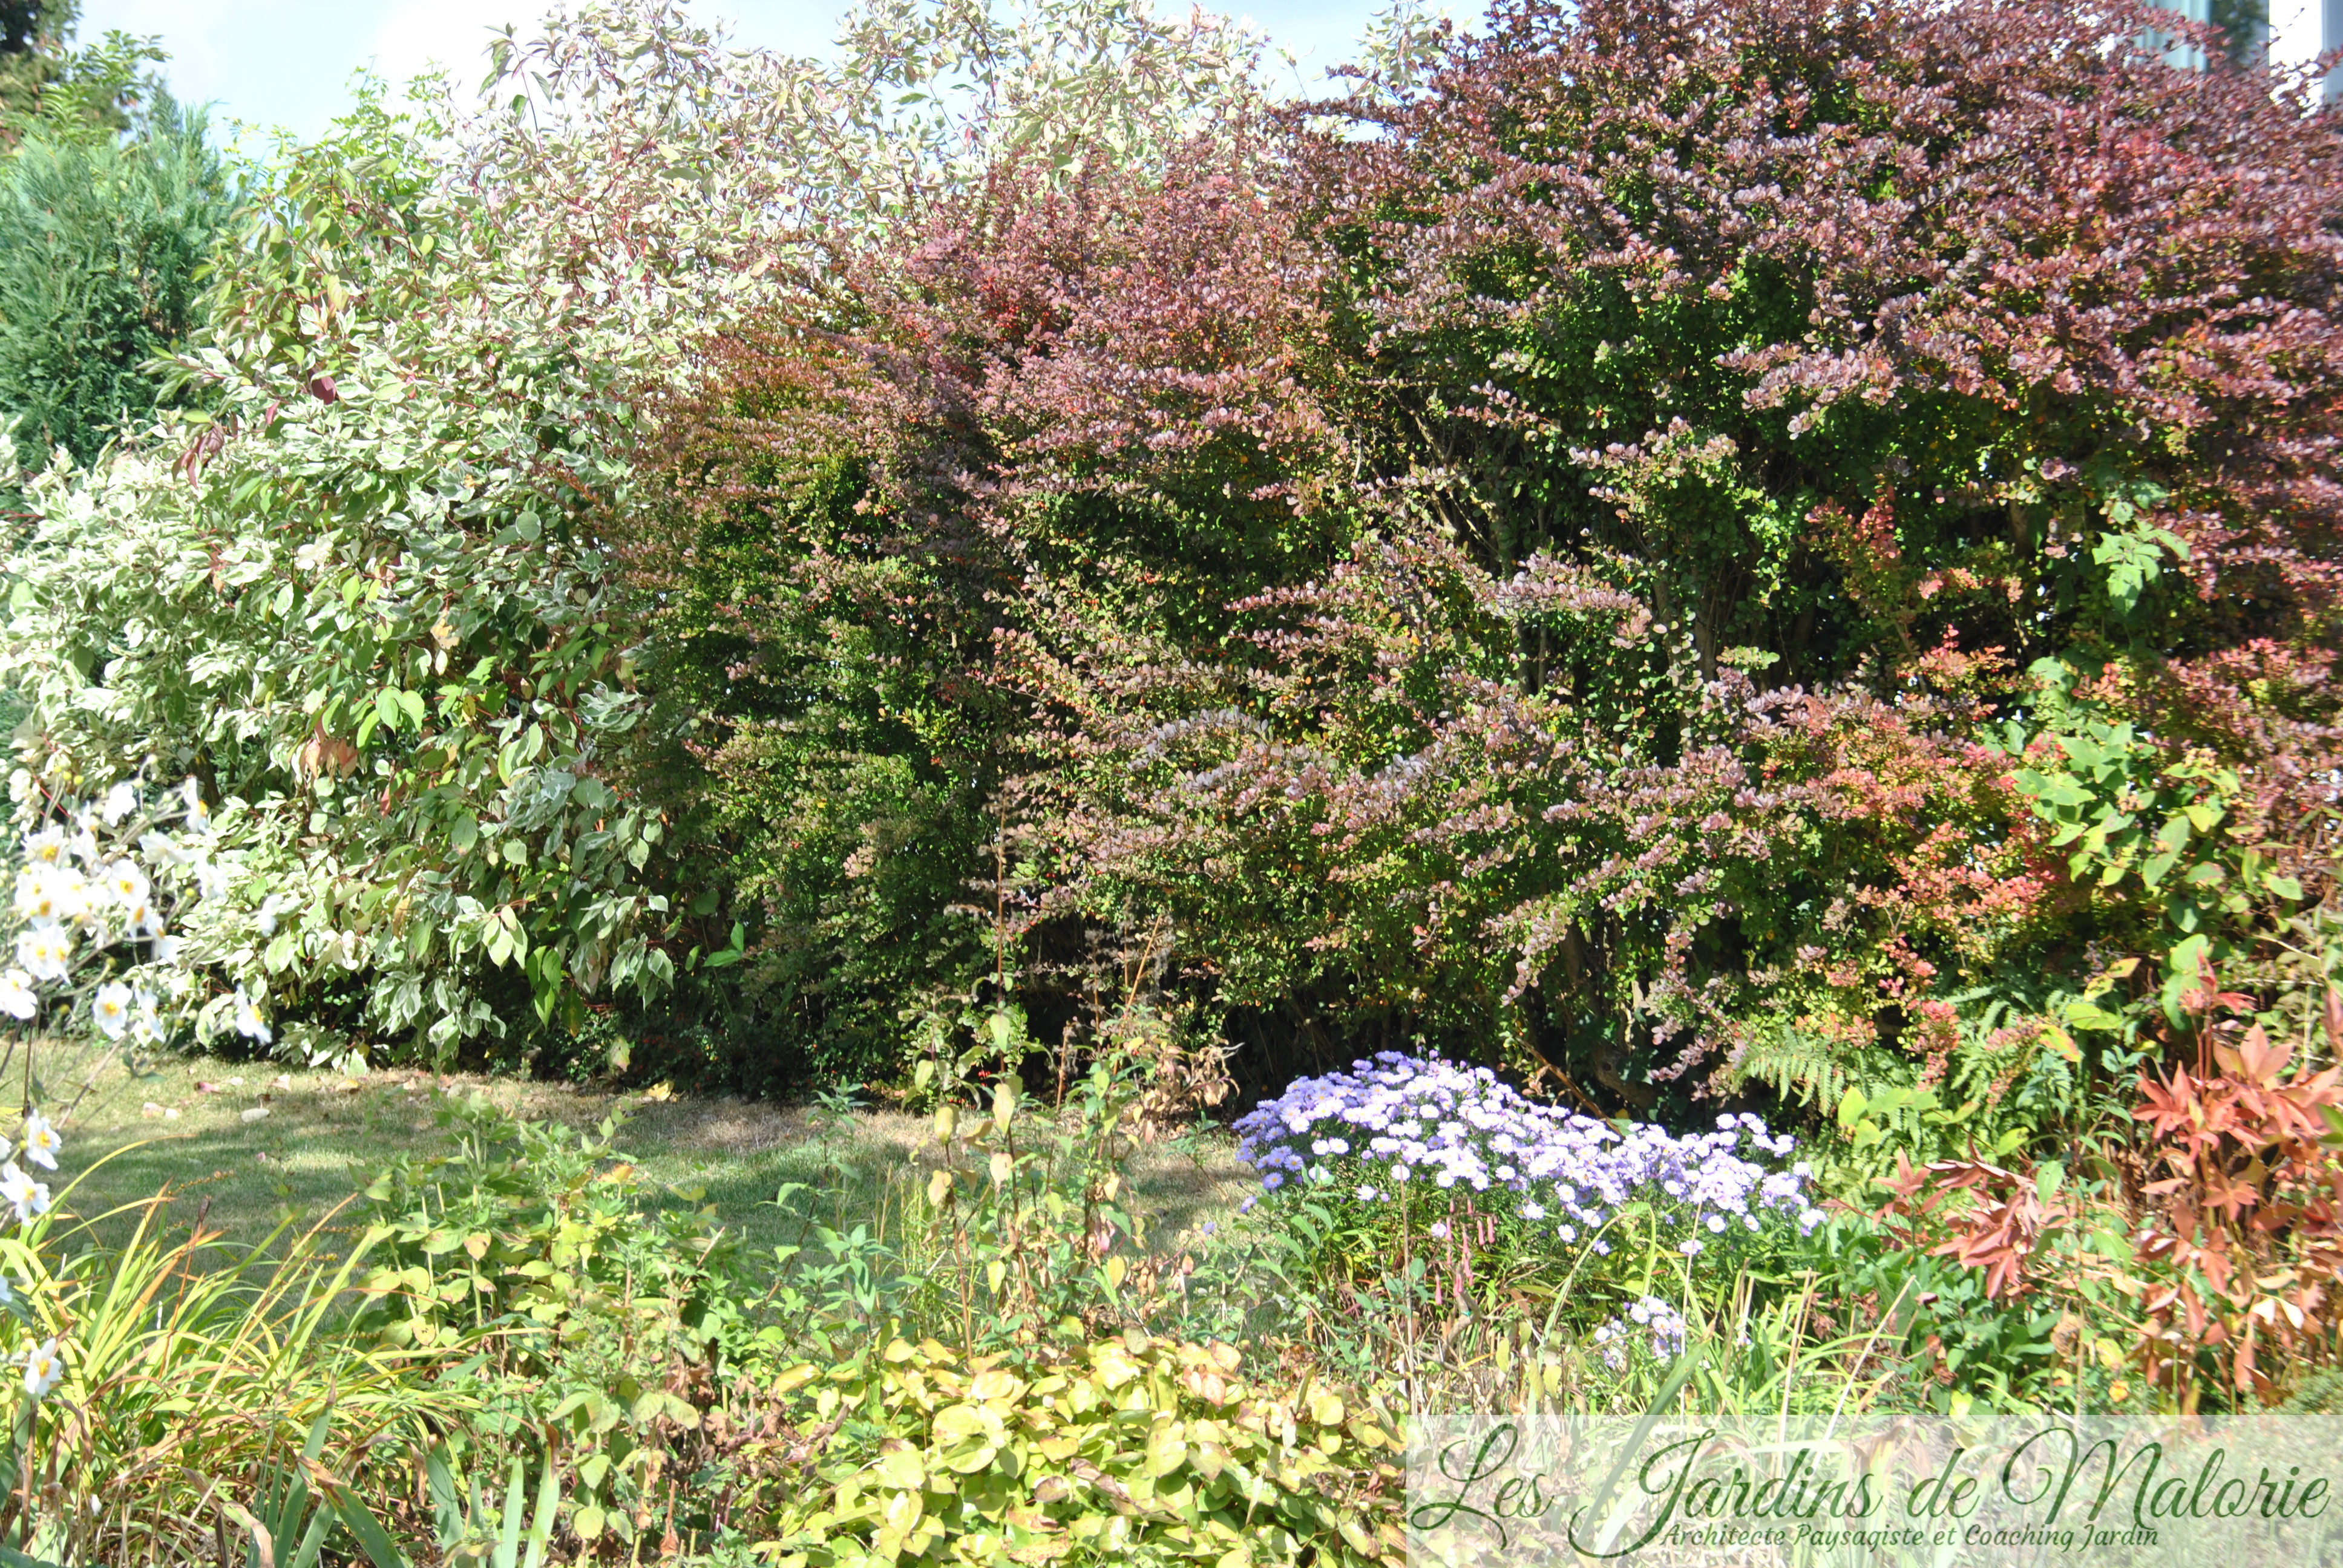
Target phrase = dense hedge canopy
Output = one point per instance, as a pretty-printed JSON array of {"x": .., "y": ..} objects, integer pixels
[
  {"x": 1618, "y": 553},
  {"x": 1726, "y": 550}
]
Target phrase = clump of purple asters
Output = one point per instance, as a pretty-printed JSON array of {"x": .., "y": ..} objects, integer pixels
[
  {"x": 1650, "y": 1319},
  {"x": 1400, "y": 1125}
]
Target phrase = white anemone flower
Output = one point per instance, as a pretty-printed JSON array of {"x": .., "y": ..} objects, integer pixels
[
  {"x": 41, "y": 1145},
  {"x": 166, "y": 949},
  {"x": 46, "y": 952},
  {"x": 144, "y": 919},
  {"x": 125, "y": 883},
  {"x": 17, "y": 998},
  {"x": 43, "y": 1368},
  {"x": 199, "y": 816},
  {"x": 51, "y": 893},
  {"x": 120, "y": 801},
  {"x": 248, "y": 1021},
  {"x": 46, "y": 848},
  {"x": 110, "y": 1009},
  {"x": 29, "y": 1197}
]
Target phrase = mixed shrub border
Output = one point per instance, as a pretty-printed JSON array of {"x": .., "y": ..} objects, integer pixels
[{"x": 1689, "y": 648}]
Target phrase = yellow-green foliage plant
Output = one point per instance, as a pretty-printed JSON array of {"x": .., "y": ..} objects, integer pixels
[{"x": 1130, "y": 1448}]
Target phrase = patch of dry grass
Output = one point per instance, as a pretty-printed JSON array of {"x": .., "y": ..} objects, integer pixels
[{"x": 246, "y": 1148}]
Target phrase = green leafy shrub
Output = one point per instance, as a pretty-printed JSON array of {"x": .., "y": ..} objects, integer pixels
[
  {"x": 363, "y": 582},
  {"x": 601, "y": 1305},
  {"x": 525, "y": 1223}
]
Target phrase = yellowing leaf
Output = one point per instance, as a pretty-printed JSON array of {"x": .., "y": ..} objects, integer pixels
[
  {"x": 966, "y": 1437},
  {"x": 1167, "y": 1451},
  {"x": 1115, "y": 1367},
  {"x": 994, "y": 1385},
  {"x": 903, "y": 1467}
]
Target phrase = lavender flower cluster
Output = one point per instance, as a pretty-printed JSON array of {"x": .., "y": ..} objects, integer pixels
[
  {"x": 1650, "y": 1316},
  {"x": 1399, "y": 1122}
]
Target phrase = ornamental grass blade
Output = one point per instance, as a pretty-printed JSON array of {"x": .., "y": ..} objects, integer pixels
[
  {"x": 548, "y": 1502},
  {"x": 509, "y": 1540},
  {"x": 305, "y": 1554},
  {"x": 364, "y": 1527}
]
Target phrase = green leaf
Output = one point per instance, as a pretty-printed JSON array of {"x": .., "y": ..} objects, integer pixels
[
  {"x": 734, "y": 953},
  {"x": 2048, "y": 1178},
  {"x": 540, "y": 1530},
  {"x": 364, "y": 1527},
  {"x": 509, "y": 1539}
]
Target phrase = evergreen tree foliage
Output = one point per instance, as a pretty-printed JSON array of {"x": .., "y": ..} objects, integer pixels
[
  {"x": 31, "y": 50},
  {"x": 101, "y": 243}
]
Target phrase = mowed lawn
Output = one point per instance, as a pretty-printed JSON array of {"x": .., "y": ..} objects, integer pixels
[{"x": 245, "y": 1149}]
